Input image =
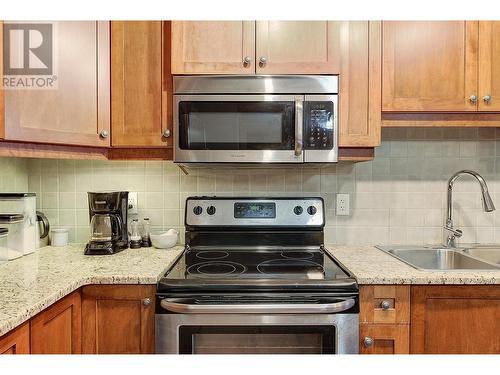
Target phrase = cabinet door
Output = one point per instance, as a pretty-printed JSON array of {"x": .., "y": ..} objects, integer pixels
[
  {"x": 359, "y": 48},
  {"x": 16, "y": 341},
  {"x": 118, "y": 319},
  {"x": 429, "y": 66},
  {"x": 77, "y": 109},
  {"x": 57, "y": 329},
  {"x": 296, "y": 47},
  {"x": 137, "y": 113},
  {"x": 213, "y": 47},
  {"x": 384, "y": 339},
  {"x": 455, "y": 319},
  {"x": 489, "y": 66}
]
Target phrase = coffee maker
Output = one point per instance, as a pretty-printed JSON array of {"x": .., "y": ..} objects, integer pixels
[{"x": 108, "y": 222}]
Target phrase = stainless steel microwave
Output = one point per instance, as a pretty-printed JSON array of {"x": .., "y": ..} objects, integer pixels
[{"x": 255, "y": 119}]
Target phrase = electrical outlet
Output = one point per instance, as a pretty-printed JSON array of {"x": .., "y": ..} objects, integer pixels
[
  {"x": 342, "y": 204},
  {"x": 132, "y": 203}
]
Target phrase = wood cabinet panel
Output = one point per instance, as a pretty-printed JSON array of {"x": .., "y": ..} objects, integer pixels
[
  {"x": 2, "y": 98},
  {"x": 78, "y": 109},
  {"x": 16, "y": 341},
  {"x": 297, "y": 47},
  {"x": 384, "y": 339},
  {"x": 360, "y": 83},
  {"x": 373, "y": 296},
  {"x": 117, "y": 319},
  {"x": 57, "y": 329},
  {"x": 213, "y": 47},
  {"x": 138, "y": 118},
  {"x": 455, "y": 319},
  {"x": 489, "y": 66},
  {"x": 429, "y": 65}
]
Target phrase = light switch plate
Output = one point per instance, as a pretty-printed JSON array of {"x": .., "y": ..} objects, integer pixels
[
  {"x": 342, "y": 204},
  {"x": 132, "y": 203}
]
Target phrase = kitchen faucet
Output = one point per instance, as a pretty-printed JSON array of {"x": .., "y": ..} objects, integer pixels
[{"x": 488, "y": 205}]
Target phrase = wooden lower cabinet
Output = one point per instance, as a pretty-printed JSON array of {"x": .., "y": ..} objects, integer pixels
[
  {"x": 16, "y": 341},
  {"x": 57, "y": 329},
  {"x": 455, "y": 319},
  {"x": 118, "y": 319},
  {"x": 384, "y": 339}
]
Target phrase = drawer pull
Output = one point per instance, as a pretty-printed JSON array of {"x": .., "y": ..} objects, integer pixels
[
  {"x": 385, "y": 305},
  {"x": 146, "y": 301},
  {"x": 368, "y": 341}
]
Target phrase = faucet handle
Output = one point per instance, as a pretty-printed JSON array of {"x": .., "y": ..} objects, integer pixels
[{"x": 455, "y": 232}]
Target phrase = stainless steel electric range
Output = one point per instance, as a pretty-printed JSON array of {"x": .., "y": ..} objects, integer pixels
[{"x": 255, "y": 278}]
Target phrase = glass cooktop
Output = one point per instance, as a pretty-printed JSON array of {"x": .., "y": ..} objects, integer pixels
[{"x": 251, "y": 267}]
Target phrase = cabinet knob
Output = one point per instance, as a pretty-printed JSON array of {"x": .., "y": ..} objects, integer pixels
[
  {"x": 385, "y": 305},
  {"x": 146, "y": 301},
  {"x": 104, "y": 134},
  {"x": 368, "y": 341},
  {"x": 487, "y": 98},
  {"x": 247, "y": 60},
  {"x": 166, "y": 133},
  {"x": 263, "y": 60},
  {"x": 473, "y": 98}
]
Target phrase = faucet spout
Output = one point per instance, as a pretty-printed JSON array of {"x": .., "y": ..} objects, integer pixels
[{"x": 488, "y": 204}]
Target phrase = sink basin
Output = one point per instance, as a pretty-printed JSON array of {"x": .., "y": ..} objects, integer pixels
[
  {"x": 438, "y": 259},
  {"x": 489, "y": 254}
]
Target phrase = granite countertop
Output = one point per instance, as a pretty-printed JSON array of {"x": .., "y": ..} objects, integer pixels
[
  {"x": 31, "y": 283},
  {"x": 372, "y": 266}
]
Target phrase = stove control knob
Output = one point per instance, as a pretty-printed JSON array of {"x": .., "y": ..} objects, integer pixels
[
  {"x": 197, "y": 210},
  {"x": 211, "y": 210},
  {"x": 311, "y": 210},
  {"x": 298, "y": 210}
]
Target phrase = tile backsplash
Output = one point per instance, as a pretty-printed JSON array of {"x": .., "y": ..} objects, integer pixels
[{"x": 397, "y": 198}]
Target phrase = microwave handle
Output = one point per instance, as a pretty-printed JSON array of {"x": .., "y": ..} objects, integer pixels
[{"x": 299, "y": 119}]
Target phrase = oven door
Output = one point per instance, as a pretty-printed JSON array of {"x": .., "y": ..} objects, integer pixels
[
  {"x": 287, "y": 326},
  {"x": 238, "y": 128}
]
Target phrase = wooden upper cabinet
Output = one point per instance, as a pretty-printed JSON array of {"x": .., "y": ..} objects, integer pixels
[
  {"x": 140, "y": 94},
  {"x": 16, "y": 341},
  {"x": 118, "y": 319},
  {"x": 429, "y": 66},
  {"x": 358, "y": 45},
  {"x": 57, "y": 329},
  {"x": 296, "y": 47},
  {"x": 76, "y": 110},
  {"x": 489, "y": 66},
  {"x": 213, "y": 47}
]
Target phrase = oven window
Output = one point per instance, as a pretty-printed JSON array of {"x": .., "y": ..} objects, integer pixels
[
  {"x": 257, "y": 340},
  {"x": 236, "y": 125}
]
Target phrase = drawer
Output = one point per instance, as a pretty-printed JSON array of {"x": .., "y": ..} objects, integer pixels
[
  {"x": 384, "y": 339},
  {"x": 384, "y": 304}
]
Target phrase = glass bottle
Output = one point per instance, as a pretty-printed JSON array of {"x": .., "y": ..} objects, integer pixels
[
  {"x": 135, "y": 237},
  {"x": 146, "y": 231}
]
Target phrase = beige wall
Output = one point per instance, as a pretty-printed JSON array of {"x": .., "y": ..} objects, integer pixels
[
  {"x": 397, "y": 198},
  {"x": 13, "y": 175}
]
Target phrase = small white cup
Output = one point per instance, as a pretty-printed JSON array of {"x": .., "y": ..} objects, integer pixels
[{"x": 59, "y": 236}]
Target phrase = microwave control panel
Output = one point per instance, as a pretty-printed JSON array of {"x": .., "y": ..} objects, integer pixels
[{"x": 318, "y": 125}]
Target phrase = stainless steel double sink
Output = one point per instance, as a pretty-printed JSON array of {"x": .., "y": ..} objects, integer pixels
[{"x": 439, "y": 258}]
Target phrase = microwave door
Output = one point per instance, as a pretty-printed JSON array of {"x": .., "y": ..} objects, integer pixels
[
  {"x": 238, "y": 129},
  {"x": 320, "y": 133}
]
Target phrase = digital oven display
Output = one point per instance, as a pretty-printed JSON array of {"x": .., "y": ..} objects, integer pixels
[{"x": 253, "y": 210}]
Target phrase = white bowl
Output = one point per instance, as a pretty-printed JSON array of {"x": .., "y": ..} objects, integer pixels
[{"x": 164, "y": 240}]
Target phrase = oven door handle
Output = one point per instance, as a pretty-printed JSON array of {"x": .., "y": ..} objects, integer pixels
[{"x": 283, "y": 308}]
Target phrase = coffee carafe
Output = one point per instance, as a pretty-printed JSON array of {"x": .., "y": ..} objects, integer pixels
[{"x": 108, "y": 222}]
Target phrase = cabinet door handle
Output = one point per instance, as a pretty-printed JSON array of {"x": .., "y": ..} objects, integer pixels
[
  {"x": 385, "y": 305},
  {"x": 247, "y": 60},
  {"x": 487, "y": 98},
  {"x": 368, "y": 341},
  {"x": 146, "y": 301},
  {"x": 166, "y": 133},
  {"x": 473, "y": 98},
  {"x": 263, "y": 60},
  {"x": 104, "y": 134}
]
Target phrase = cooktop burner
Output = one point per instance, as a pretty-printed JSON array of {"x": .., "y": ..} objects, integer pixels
[{"x": 215, "y": 269}]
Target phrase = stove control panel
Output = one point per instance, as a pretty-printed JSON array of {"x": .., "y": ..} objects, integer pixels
[{"x": 245, "y": 212}]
